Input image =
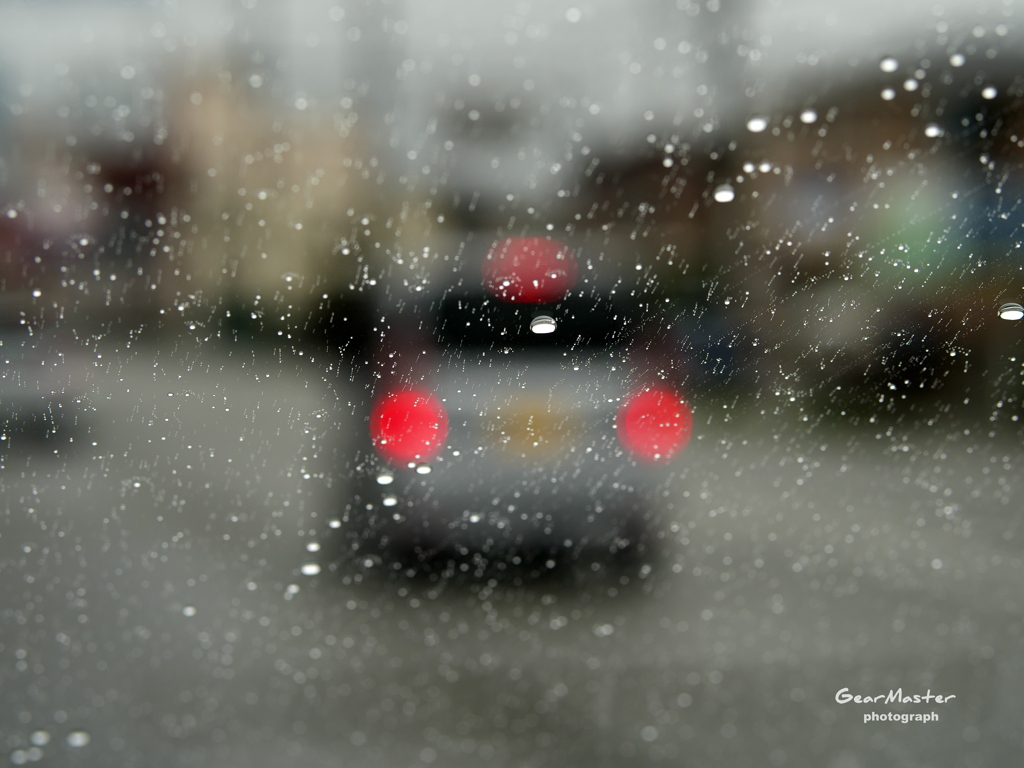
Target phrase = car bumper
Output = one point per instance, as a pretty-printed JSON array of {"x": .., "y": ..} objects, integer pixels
[{"x": 507, "y": 511}]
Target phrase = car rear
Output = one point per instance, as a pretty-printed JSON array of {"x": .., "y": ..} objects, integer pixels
[{"x": 488, "y": 438}]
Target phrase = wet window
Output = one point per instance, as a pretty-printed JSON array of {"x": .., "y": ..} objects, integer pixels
[{"x": 510, "y": 383}]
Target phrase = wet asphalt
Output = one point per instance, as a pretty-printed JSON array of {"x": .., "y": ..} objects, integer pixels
[{"x": 168, "y": 597}]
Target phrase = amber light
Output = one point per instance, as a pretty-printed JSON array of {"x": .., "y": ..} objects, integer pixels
[
  {"x": 654, "y": 423},
  {"x": 408, "y": 425}
]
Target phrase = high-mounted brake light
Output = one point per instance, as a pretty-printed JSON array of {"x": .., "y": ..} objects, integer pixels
[
  {"x": 408, "y": 425},
  {"x": 654, "y": 423},
  {"x": 529, "y": 270}
]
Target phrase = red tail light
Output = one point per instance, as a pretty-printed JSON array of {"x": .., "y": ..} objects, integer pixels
[
  {"x": 654, "y": 423},
  {"x": 408, "y": 425}
]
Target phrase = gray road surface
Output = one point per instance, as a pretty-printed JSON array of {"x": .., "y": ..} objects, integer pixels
[{"x": 154, "y": 609}]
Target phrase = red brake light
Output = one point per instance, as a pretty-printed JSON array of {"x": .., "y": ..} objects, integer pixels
[
  {"x": 654, "y": 423},
  {"x": 531, "y": 270},
  {"x": 408, "y": 425}
]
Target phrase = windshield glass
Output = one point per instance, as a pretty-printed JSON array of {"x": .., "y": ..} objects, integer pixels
[{"x": 511, "y": 383}]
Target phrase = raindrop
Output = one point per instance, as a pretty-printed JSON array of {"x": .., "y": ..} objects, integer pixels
[
  {"x": 888, "y": 64},
  {"x": 543, "y": 324},
  {"x": 313, "y": 546},
  {"x": 888, "y": 94},
  {"x": 423, "y": 469},
  {"x": 188, "y": 610},
  {"x": 725, "y": 194},
  {"x": 957, "y": 60},
  {"x": 1011, "y": 311},
  {"x": 78, "y": 739},
  {"x": 757, "y": 124},
  {"x": 385, "y": 478},
  {"x": 390, "y": 500},
  {"x": 40, "y": 738},
  {"x": 808, "y": 116},
  {"x": 310, "y": 569},
  {"x": 989, "y": 92},
  {"x": 932, "y": 131}
]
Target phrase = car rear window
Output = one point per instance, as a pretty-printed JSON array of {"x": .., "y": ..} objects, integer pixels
[{"x": 579, "y": 321}]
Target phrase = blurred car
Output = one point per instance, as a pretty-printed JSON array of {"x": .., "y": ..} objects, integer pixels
[{"x": 522, "y": 418}]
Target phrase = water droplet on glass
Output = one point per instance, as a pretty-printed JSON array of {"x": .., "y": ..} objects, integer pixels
[
  {"x": 989, "y": 92},
  {"x": 390, "y": 500},
  {"x": 543, "y": 324},
  {"x": 888, "y": 64},
  {"x": 78, "y": 739},
  {"x": 957, "y": 60},
  {"x": 1011, "y": 311},
  {"x": 188, "y": 610},
  {"x": 310, "y": 569},
  {"x": 313, "y": 546},
  {"x": 423, "y": 469},
  {"x": 725, "y": 194},
  {"x": 385, "y": 478},
  {"x": 808, "y": 116},
  {"x": 37, "y": 293},
  {"x": 888, "y": 94},
  {"x": 932, "y": 131},
  {"x": 40, "y": 738},
  {"x": 757, "y": 124}
]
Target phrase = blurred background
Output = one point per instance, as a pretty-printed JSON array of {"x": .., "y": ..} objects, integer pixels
[{"x": 207, "y": 207}]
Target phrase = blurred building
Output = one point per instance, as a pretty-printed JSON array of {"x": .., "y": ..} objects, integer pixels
[{"x": 271, "y": 167}]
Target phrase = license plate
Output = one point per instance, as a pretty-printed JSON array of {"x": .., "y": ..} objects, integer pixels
[{"x": 536, "y": 428}]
